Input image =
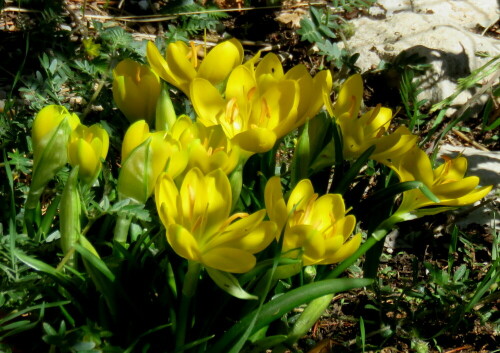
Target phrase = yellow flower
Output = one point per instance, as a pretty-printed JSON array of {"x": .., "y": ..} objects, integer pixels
[
  {"x": 359, "y": 134},
  {"x": 145, "y": 156},
  {"x": 200, "y": 228},
  {"x": 261, "y": 105},
  {"x": 317, "y": 225},
  {"x": 136, "y": 89},
  {"x": 50, "y": 134},
  {"x": 207, "y": 147},
  {"x": 86, "y": 148},
  {"x": 180, "y": 65},
  {"x": 446, "y": 182}
]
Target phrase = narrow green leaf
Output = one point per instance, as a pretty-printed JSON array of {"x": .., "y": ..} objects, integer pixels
[
  {"x": 353, "y": 171},
  {"x": 281, "y": 305},
  {"x": 428, "y": 193},
  {"x": 95, "y": 261},
  {"x": 39, "y": 265}
]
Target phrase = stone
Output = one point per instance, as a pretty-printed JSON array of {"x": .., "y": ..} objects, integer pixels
[{"x": 440, "y": 31}]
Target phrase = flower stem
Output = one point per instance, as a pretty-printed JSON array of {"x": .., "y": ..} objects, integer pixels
[
  {"x": 188, "y": 290},
  {"x": 121, "y": 228}
]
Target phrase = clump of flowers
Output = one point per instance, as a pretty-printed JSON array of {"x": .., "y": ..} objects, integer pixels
[{"x": 198, "y": 194}]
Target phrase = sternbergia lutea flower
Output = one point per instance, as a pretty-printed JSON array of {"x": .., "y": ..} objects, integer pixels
[
  {"x": 372, "y": 128},
  {"x": 86, "y": 148},
  {"x": 199, "y": 225},
  {"x": 447, "y": 182},
  {"x": 181, "y": 66},
  {"x": 317, "y": 226},
  {"x": 260, "y": 105}
]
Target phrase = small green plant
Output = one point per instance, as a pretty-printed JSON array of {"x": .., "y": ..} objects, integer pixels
[{"x": 323, "y": 27}]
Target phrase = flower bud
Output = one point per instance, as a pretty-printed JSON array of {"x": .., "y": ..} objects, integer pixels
[
  {"x": 50, "y": 134},
  {"x": 86, "y": 148}
]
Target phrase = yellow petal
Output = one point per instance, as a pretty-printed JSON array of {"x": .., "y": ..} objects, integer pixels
[
  {"x": 300, "y": 195},
  {"x": 275, "y": 204},
  {"x": 456, "y": 189},
  {"x": 183, "y": 243},
  {"x": 47, "y": 120},
  {"x": 87, "y": 160},
  {"x": 246, "y": 233},
  {"x": 229, "y": 260},
  {"x": 454, "y": 169},
  {"x": 180, "y": 67},
  {"x": 218, "y": 191},
  {"x": 166, "y": 197},
  {"x": 207, "y": 101},
  {"x": 344, "y": 252},
  {"x": 136, "y": 134},
  {"x": 221, "y": 60},
  {"x": 258, "y": 140},
  {"x": 349, "y": 98},
  {"x": 269, "y": 69}
]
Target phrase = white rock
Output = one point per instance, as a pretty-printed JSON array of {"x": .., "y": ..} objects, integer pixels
[
  {"x": 436, "y": 33},
  {"x": 469, "y": 13}
]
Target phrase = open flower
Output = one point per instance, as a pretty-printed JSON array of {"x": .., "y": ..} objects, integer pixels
[
  {"x": 50, "y": 134},
  {"x": 145, "y": 156},
  {"x": 87, "y": 147},
  {"x": 180, "y": 65},
  {"x": 261, "y": 105},
  {"x": 208, "y": 148},
  {"x": 136, "y": 89},
  {"x": 200, "y": 228},
  {"x": 446, "y": 182},
  {"x": 318, "y": 226},
  {"x": 370, "y": 129}
]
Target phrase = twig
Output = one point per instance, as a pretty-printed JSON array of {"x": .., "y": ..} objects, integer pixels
[
  {"x": 469, "y": 140},
  {"x": 459, "y": 349}
]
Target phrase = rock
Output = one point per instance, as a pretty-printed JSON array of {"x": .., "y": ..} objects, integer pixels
[
  {"x": 469, "y": 13},
  {"x": 439, "y": 31}
]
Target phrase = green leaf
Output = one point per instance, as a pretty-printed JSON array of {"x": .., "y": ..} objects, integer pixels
[
  {"x": 95, "y": 261},
  {"x": 40, "y": 266},
  {"x": 229, "y": 284},
  {"x": 330, "y": 50},
  {"x": 308, "y": 31}
]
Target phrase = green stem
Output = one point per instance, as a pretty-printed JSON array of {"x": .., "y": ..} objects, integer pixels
[
  {"x": 188, "y": 291},
  {"x": 121, "y": 228}
]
